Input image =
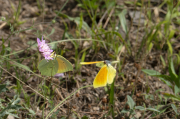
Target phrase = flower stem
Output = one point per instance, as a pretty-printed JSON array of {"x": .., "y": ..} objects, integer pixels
[{"x": 112, "y": 99}]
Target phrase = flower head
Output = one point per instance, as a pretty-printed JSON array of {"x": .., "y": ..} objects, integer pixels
[{"x": 44, "y": 49}]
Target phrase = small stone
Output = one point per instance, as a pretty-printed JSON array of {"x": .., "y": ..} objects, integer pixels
[
  {"x": 10, "y": 117},
  {"x": 138, "y": 115},
  {"x": 96, "y": 108}
]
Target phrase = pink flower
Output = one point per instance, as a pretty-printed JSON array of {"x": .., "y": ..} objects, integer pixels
[
  {"x": 44, "y": 49},
  {"x": 59, "y": 75}
]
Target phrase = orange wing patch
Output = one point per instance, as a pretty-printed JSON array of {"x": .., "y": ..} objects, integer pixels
[
  {"x": 63, "y": 64},
  {"x": 101, "y": 77}
]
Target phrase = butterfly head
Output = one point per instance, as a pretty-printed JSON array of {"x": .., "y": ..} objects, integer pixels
[{"x": 107, "y": 62}]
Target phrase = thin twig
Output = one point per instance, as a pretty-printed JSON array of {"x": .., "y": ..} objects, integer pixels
[
  {"x": 24, "y": 84},
  {"x": 108, "y": 18},
  {"x": 58, "y": 92},
  {"x": 65, "y": 100}
]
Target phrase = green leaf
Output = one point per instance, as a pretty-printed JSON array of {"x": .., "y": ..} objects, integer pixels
[
  {"x": 14, "y": 115},
  {"x": 3, "y": 88},
  {"x": 63, "y": 117},
  {"x": 130, "y": 102},
  {"x": 121, "y": 39},
  {"x": 78, "y": 21},
  {"x": 176, "y": 14},
  {"x": 124, "y": 111},
  {"x": 166, "y": 77},
  {"x": 129, "y": 2},
  {"x": 171, "y": 96},
  {"x": 11, "y": 107},
  {"x": 84, "y": 24},
  {"x": 31, "y": 111},
  {"x": 176, "y": 90},
  {"x": 52, "y": 31},
  {"x": 178, "y": 58},
  {"x": 21, "y": 66},
  {"x": 152, "y": 109},
  {"x": 172, "y": 73},
  {"x": 140, "y": 108},
  {"x": 168, "y": 19},
  {"x": 171, "y": 34},
  {"x": 171, "y": 69},
  {"x": 174, "y": 108},
  {"x": 157, "y": 74},
  {"x": 83, "y": 56},
  {"x": 84, "y": 117},
  {"x": 170, "y": 47},
  {"x": 150, "y": 46},
  {"x": 163, "y": 61},
  {"x": 151, "y": 72},
  {"x": 178, "y": 79},
  {"x": 18, "y": 11},
  {"x": 48, "y": 68},
  {"x": 123, "y": 20}
]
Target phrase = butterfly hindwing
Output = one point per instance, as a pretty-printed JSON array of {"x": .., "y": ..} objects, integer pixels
[
  {"x": 64, "y": 65},
  {"x": 101, "y": 78},
  {"x": 111, "y": 74},
  {"x": 48, "y": 68}
]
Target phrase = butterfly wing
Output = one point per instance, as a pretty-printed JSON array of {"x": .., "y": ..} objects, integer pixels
[
  {"x": 100, "y": 64},
  {"x": 101, "y": 77},
  {"x": 110, "y": 74},
  {"x": 48, "y": 68},
  {"x": 63, "y": 64},
  {"x": 85, "y": 63}
]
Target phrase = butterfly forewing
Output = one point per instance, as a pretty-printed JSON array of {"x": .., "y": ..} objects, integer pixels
[
  {"x": 85, "y": 63},
  {"x": 101, "y": 77},
  {"x": 110, "y": 74},
  {"x": 64, "y": 65}
]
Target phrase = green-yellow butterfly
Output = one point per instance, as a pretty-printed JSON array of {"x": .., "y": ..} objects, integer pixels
[{"x": 58, "y": 65}]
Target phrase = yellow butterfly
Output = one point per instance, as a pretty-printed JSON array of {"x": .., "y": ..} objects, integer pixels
[
  {"x": 58, "y": 65},
  {"x": 63, "y": 64},
  {"x": 106, "y": 73}
]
